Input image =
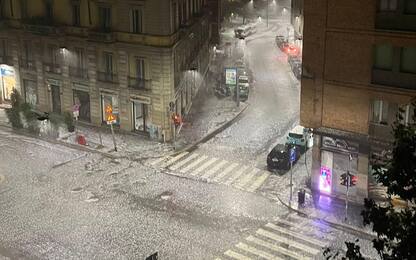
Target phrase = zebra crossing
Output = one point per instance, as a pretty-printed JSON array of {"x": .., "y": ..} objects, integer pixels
[
  {"x": 292, "y": 238},
  {"x": 213, "y": 169}
]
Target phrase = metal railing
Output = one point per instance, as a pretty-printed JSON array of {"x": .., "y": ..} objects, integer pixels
[
  {"x": 52, "y": 68},
  {"x": 139, "y": 83},
  {"x": 107, "y": 77},
  {"x": 78, "y": 72},
  {"x": 27, "y": 64}
]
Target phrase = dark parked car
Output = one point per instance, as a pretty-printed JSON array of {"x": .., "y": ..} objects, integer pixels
[{"x": 278, "y": 158}]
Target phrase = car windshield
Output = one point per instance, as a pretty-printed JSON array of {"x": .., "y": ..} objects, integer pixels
[
  {"x": 297, "y": 136},
  {"x": 243, "y": 81}
]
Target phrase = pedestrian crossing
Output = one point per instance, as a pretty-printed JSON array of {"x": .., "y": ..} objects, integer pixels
[
  {"x": 292, "y": 238},
  {"x": 213, "y": 169}
]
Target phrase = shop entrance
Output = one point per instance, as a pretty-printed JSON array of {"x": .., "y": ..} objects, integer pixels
[
  {"x": 140, "y": 117},
  {"x": 7, "y": 82},
  {"x": 56, "y": 99}
]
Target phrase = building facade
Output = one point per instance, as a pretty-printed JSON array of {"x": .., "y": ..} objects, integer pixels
[
  {"x": 359, "y": 67},
  {"x": 145, "y": 58}
]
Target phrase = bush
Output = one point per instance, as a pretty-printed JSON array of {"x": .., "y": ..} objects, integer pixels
[
  {"x": 31, "y": 118},
  {"x": 13, "y": 113},
  {"x": 69, "y": 121}
]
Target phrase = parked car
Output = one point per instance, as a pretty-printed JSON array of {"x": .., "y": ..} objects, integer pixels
[
  {"x": 300, "y": 137},
  {"x": 244, "y": 87},
  {"x": 243, "y": 31},
  {"x": 278, "y": 158}
]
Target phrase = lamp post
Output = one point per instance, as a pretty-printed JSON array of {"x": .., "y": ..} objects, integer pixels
[{"x": 267, "y": 13}]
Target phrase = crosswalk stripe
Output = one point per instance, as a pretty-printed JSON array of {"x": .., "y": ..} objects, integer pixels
[
  {"x": 243, "y": 181},
  {"x": 297, "y": 235},
  {"x": 258, "y": 182},
  {"x": 226, "y": 170},
  {"x": 174, "y": 159},
  {"x": 214, "y": 169},
  {"x": 296, "y": 225},
  {"x": 157, "y": 161},
  {"x": 203, "y": 166},
  {"x": 193, "y": 164},
  {"x": 256, "y": 251},
  {"x": 183, "y": 162},
  {"x": 288, "y": 241},
  {"x": 236, "y": 175},
  {"x": 236, "y": 255},
  {"x": 276, "y": 248}
]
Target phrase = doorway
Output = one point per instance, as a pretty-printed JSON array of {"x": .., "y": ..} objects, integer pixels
[{"x": 56, "y": 99}]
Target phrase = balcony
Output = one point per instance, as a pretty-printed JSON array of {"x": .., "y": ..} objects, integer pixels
[
  {"x": 139, "y": 83},
  {"x": 101, "y": 36},
  {"x": 395, "y": 21},
  {"x": 78, "y": 72},
  {"x": 380, "y": 131},
  {"x": 52, "y": 68},
  {"x": 393, "y": 78},
  {"x": 40, "y": 25},
  {"x": 8, "y": 60},
  {"x": 27, "y": 64},
  {"x": 107, "y": 77}
]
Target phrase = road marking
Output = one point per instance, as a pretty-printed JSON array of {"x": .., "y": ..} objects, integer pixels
[
  {"x": 226, "y": 170},
  {"x": 203, "y": 166},
  {"x": 183, "y": 162},
  {"x": 243, "y": 181},
  {"x": 287, "y": 241},
  {"x": 236, "y": 175},
  {"x": 236, "y": 255},
  {"x": 174, "y": 159},
  {"x": 256, "y": 251},
  {"x": 157, "y": 161},
  {"x": 193, "y": 164},
  {"x": 257, "y": 183},
  {"x": 296, "y": 235},
  {"x": 328, "y": 237},
  {"x": 276, "y": 248},
  {"x": 214, "y": 169}
]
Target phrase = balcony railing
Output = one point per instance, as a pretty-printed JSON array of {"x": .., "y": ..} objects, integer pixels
[
  {"x": 107, "y": 77},
  {"x": 27, "y": 64},
  {"x": 78, "y": 72},
  {"x": 394, "y": 78},
  {"x": 52, "y": 68},
  {"x": 380, "y": 131},
  {"x": 6, "y": 60},
  {"x": 139, "y": 83},
  {"x": 101, "y": 36}
]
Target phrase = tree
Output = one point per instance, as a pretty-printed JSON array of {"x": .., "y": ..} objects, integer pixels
[{"x": 395, "y": 228}]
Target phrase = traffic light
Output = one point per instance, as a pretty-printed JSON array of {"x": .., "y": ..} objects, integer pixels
[
  {"x": 347, "y": 179},
  {"x": 353, "y": 180},
  {"x": 344, "y": 179}
]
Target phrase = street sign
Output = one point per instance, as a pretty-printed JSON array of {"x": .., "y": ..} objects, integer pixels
[
  {"x": 292, "y": 154},
  {"x": 109, "y": 116},
  {"x": 231, "y": 76}
]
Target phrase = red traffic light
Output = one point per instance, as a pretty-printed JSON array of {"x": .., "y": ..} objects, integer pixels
[{"x": 177, "y": 120}]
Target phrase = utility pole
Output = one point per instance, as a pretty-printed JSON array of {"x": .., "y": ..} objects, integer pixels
[
  {"x": 348, "y": 185},
  {"x": 267, "y": 14}
]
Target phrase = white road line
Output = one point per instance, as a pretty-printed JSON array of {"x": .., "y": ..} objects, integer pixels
[
  {"x": 203, "y": 166},
  {"x": 194, "y": 163},
  {"x": 243, "y": 181},
  {"x": 328, "y": 237},
  {"x": 311, "y": 240},
  {"x": 214, "y": 169},
  {"x": 174, "y": 159},
  {"x": 290, "y": 242},
  {"x": 226, "y": 170},
  {"x": 256, "y": 251},
  {"x": 183, "y": 162},
  {"x": 157, "y": 161},
  {"x": 236, "y": 175},
  {"x": 236, "y": 255},
  {"x": 257, "y": 183},
  {"x": 276, "y": 248}
]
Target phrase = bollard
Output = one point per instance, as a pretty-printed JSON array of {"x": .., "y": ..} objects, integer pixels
[{"x": 301, "y": 197}]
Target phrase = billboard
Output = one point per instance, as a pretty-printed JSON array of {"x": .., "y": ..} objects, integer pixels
[
  {"x": 231, "y": 76},
  {"x": 7, "y": 81}
]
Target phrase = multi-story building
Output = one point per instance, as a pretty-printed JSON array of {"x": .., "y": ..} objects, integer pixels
[
  {"x": 296, "y": 19},
  {"x": 145, "y": 58},
  {"x": 359, "y": 67}
]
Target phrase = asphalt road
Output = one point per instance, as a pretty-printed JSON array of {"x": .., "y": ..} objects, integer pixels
[{"x": 273, "y": 100}]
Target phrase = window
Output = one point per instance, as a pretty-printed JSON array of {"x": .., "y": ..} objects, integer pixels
[
  {"x": 387, "y": 5},
  {"x": 140, "y": 116},
  {"x": 76, "y": 15},
  {"x": 27, "y": 53},
  {"x": 108, "y": 62},
  {"x": 82, "y": 98},
  {"x": 408, "y": 59},
  {"x": 79, "y": 58},
  {"x": 408, "y": 114},
  {"x": 23, "y": 6},
  {"x": 383, "y": 57},
  {"x": 31, "y": 94},
  {"x": 49, "y": 10},
  {"x": 54, "y": 54},
  {"x": 410, "y": 7},
  {"x": 140, "y": 68},
  {"x": 380, "y": 111},
  {"x": 105, "y": 18},
  {"x": 136, "y": 20}
]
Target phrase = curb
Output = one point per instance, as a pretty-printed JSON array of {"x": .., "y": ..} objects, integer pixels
[
  {"x": 73, "y": 146},
  {"x": 356, "y": 231},
  {"x": 211, "y": 134}
]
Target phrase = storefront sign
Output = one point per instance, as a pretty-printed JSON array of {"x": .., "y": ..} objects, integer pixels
[
  {"x": 231, "y": 76},
  {"x": 325, "y": 179},
  {"x": 339, "y": 145}
]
